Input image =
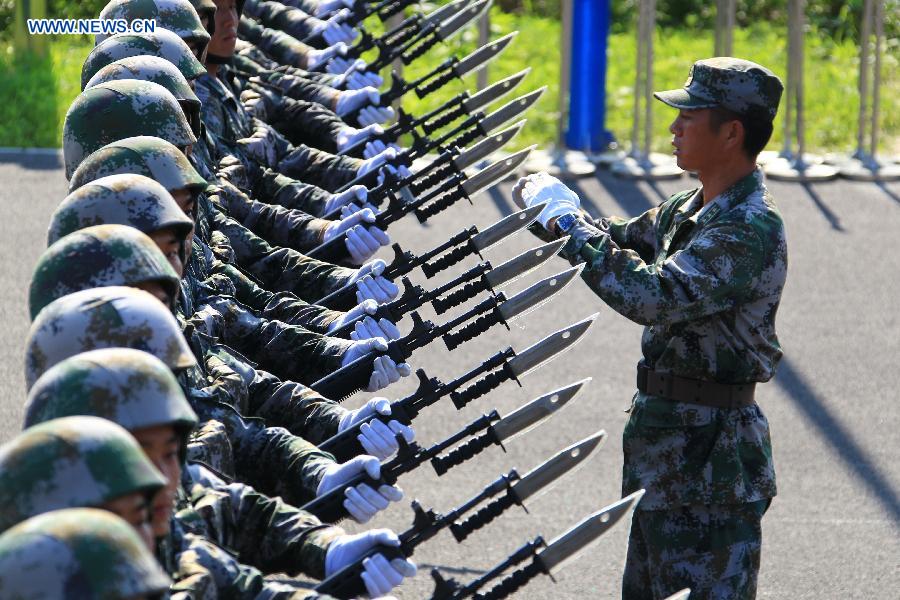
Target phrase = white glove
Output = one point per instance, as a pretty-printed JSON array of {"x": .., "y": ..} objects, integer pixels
[
  {"x": 356, "y": 193},
  {"x": 377, "y": 438},
  {"x": 380, "y": 575},
  {"x": 367, "y": 307},
  {"x": 371, "y": 164},
  {"x": 373, "y": 268},
  {"x": 350, "y": 136},
  {"x": 399, "y": 172},
  {"x": 361, "y": 78},
  {"x": 334, "y": 30},
  {"x": 377, "y": 147},
  {"x": 369, "y": 328},
  {"x": 363, "y": 242},
  {"x": 343, "y": 66},
  {"x": 351, "y": 100},
  {"x": 362, "y": 502},
  {"x": 541, "y": 187},
  {"x": 376, "y": 287},
  {"x": 335, "y": 228},
  {"x": 375, "y": 114},
  {"x": 326, "y": 7},
  {"x": 317, "y": 58}
]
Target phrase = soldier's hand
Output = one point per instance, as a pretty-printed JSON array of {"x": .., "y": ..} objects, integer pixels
[
  {"x": 317, "y": 58},
  {"x": 348, "y": 137},
  {"x": 349, "y": 101},
  {"x": 377, "y": 288},
  {"x": 326, "y": 7},
  {"x": 380, "y": 575},
  {"x": 356, "y": 193},
  {"x": 363, "y": 242},
  {"x": 362, "y": 501},
  {"x": 375, "y": 114},
  {"x": 359, "y": 79},
  {"x": 367, "y": 307},
  {"x": 542, "y": 187},
  {"x": 398, "y": 172},
  {"x": 378, "y": 439},
  {"x": 334, "y": 30},
  {"x": 369, "y": 328}
]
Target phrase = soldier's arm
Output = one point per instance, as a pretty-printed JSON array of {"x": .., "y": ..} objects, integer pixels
[
  {"x": 294, "y": 406},
  {"x": 278, "y": 45},
  {"x": 264, "y": 532},
  {"x": 711, "y": 275},
  {"x": 328, "y": 171},
  {"x": 308, "y": 123},
  {"x": 285, "y": 191},
  {"x": 275, "y": 15}
]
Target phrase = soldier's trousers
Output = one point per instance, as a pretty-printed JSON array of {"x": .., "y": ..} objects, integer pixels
[{"x": 714, "y": 550}]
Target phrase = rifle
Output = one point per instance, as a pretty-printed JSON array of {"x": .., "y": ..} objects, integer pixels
[
  {"x": 348, "y": 583},
  {"x": 461, "y": 186},
  {"x": 491, "y": 311},
  {"x": 546, "y": 557},
  {"x": 481, "y": 278},
  {"x": 503, "y": 366}
]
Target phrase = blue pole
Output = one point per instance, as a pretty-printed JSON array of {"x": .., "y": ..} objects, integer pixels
[{"x": 587, "y": 82}]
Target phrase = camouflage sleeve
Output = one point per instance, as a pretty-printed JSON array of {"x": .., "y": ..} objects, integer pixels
[
  {"x": 292, "y": 466},
  {"x": 312, "y": 87},
  {"x": 281, "y": 47},
  {"x": 296, "y": 23},
  {"x": 293, "y": 406},
  {"x": 709, "y": 276},
  {"x": 277, "y": 225},
  {"x": 263, "y": 532},
  {"x": 280, "y": 269},
  {"x": 285, "y": 191},
  {"x": 307, "y": 6},
  {"x": 328, "y": 171},
  {"x": 308, "y": 123}
]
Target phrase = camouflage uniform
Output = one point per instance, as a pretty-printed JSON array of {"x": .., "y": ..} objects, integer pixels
[
  {"x": 706, "y": 281},
  {"x": 71, "y": 462},
  {"x": 75, "y": 554}
]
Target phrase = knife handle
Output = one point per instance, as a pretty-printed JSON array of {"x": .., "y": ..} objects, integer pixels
[
  {"x": 468, "y": 291},
  {"x": 480, "y": 387},
  {"x": 468, "y": 137},
  {"x": 462, "y": 453},
  {"x": 431, "y": 179},
  {"x": 435, "y": 84},
  {"x": 512, "y": 583},
  {"x": 473, "y": 329},
  {"x": 440, "y": 205},
  {"x": 446, "y": 261},
  {"x": 443, "y": 120},
  {"x": 425, "y": 46},
  {"x": 462, "y": 529}
]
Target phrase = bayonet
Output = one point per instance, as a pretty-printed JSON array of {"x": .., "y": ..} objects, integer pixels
[{"x": 533, "y": 357}]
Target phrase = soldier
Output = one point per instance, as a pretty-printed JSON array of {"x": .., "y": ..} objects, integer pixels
[
  {"x": 75, "y": 554},
  {"x": 704, "y": 273},
  {"x": 77, "y": 462},
  {"x": 138, "y": 392},
  {"x": 116, "y": 317}
]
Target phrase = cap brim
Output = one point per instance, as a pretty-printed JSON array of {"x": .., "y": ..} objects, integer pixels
[{"x": 680, "y": 98}]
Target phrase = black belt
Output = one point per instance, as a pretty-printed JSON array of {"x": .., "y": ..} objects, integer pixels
[{"x": 694, "y": 391}]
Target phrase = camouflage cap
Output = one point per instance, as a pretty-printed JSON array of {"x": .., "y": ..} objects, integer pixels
[
  {"x": 204, "y": 7},
  {"x": 119, "y": 109},
  {"x": 128, "y": 387},
  {"x": 162, "y": 43},
  {"x": 71, "y": 462},
  {"x": 99, "y": 256},
  {"x": 109, "y": 317},
  {"x": 158, "y": 70},
  {"x": 78, "y": 553},
  {"x": 740, "y": 86},
  {"x": 141, "y": 155},
  {"x": 123, "y": 199},
  {"x": 177, "y": 16}
]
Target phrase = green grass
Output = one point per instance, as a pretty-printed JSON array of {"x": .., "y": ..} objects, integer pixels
[{"x": 37, "y": 93}]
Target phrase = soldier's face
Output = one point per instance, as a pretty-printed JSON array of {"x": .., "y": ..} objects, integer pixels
[
  {"x": 170, "y": 245},
  {"x": 161, "y": 444},
  {"x": 134, "y": 509},
  {"x": 157, "y": 290},
  {"x": 225, "y": 35},
  {"x": 697, "y": 147}
]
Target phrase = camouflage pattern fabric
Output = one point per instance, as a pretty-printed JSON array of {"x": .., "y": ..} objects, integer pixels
[
  {"x": 740, "y": 86},
  {"x": 714, "y": 550},
  {"x": 71, "y": 462},
  {"x": 277, "y": 45},
  {"x": 295, "y": 84},
  {"x": 162, "y": 43},
  {"x": 118, "y": 109},
  {"x": 122, "y": 199},
  {"x": 707, "y": 284},
  {"x": 275, "y": 15},
  {"x": 128, "y": 387},
  {"x": 262, "y": 532},
  {"x": 141, "y": 155},
  {"x": 306, "y": 123},
  {"x": 158, "y": 70},
  {"x": 251, "y": 60},
  {"x": 109, "y": 317},
  {"x": 75, "y": 554},
  {"x": 177, "y": 16},
  {"x": 98, "y": 256}
]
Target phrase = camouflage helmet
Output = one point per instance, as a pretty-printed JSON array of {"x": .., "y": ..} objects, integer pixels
[
  {"x": 109, "y": 317},
  {"x": 162, "y": 43},
  {"x": 99, "y": 256},
  {"x": 119, "y": 109},
  {"x": 177, "y": 16},
  {"x": 206, "y": 8},
  {"x": 122, "y": 199},
  {"x": 141, "y": 155},
  {"x": 158, "y": 70},
  {"x": 71, "y": 462},
  {"x": 128, "y": 387},
  {"x": 78, "y": 553}
]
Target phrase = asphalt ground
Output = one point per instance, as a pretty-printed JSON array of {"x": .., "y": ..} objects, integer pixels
[{"x": 832, "y": 532}]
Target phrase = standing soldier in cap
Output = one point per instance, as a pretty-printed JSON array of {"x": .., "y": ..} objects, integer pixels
[{"x": 703, "y": 272}]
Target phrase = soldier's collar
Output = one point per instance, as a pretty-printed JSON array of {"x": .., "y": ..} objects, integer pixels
[{"x": 731, "y": 197}]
